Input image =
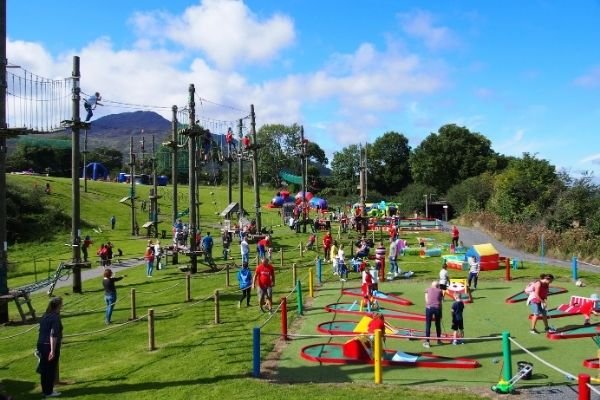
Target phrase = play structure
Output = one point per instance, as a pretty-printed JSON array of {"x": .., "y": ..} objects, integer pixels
[
  {"x": 352, "y": 327},
  {"x": 282, "y": 197},
  {"x": 456, "y": 261},
  {"x": 380, "y": 296},
  {"x": 578, "y": 305},
  {"x": 458, "y": 287},
  {"x": 592, "y": 330},
  {"x": 358, "y": 351},
  {"x": 96, "y": 171},
  {"x": 522, "y": 296},
  {"x": 486, "y": 255},
  {"x": 353, "y": 308}
]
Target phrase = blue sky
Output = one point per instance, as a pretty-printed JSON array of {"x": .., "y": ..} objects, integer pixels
[{"x": 526, "y": 74}]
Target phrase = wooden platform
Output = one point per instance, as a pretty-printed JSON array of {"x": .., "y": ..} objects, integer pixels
[{"x": 20, "y": 298}]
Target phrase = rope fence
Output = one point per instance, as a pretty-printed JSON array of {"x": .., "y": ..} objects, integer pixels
[{"x": 546, "y": 363}]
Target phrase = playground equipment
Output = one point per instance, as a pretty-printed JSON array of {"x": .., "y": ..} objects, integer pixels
[
  {"x": 350, "y": 327},
  {"x": 21, "y": 295},
  {"x": 486, "y": 255},
  {"x": 353, "y": 308},
  {"x": 592, "y": 330},
  {"x": 380, "y": 296},
  {"x": 522, "y": 296},
  {"x": 578, "y": 305},
  {"x": 459, "y": 287},
  {"x": 358, "y": 350}
]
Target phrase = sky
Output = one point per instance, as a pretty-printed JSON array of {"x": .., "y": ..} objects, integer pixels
[{"x": 525, "y": 74}]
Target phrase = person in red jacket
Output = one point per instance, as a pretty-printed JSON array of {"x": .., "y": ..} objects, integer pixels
[
  {"x": 327, "y": 242},
  {"x": 378, "y": 322},
  {"x": 265, "y": 278}
]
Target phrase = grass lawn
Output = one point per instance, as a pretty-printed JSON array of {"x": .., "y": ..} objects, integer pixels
[{"x": 197, "y": 358}]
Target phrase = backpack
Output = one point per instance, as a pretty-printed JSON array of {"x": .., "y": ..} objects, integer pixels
[{"x": 530, "y": 288}]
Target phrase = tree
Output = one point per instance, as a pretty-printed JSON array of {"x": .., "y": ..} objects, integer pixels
[
  {"x": 576, "y": 204},
  {"x": 344, "y": 170},
  {"x": 112, "y": 159},
  {"x": 412, "y": 199},
  {"x": 525, "y": 190},
  {"x": 452, "y": 155},
  {"x": 41, "y": 154},
  {"x": 388, "y": 163},
  {"x": 472, "y": 194},
  {"x": 280, "y": 151}
]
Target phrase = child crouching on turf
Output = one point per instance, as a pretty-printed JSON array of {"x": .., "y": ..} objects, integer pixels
[{"x": 457, "y": 320}]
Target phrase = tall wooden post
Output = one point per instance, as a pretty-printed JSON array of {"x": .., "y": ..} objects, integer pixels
[
  {"x": 192, "y": 179},
  {"x": 174, "y": 162},
  {"x": 241, "y": 169},
  {"x": 75, "y": 192},
  {"x": 302, "y": 166},
  {"x": 3, "y": 243},
  {"x": 255, "y": 169}
]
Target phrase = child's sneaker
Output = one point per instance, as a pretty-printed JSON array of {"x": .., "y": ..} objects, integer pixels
[
  {"x": 426, "y": 345},
  {"x": 455, "y": 342},
  {"x": 550, "y": 329},
  {"x": 533, "y": 332}
]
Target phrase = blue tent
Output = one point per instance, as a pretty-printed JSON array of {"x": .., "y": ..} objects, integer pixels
[{"x": 95, "y": 170}]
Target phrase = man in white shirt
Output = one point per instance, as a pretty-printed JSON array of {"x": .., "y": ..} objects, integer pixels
[
  {"x": 245, "y": 250},
  {"x": 474, "y": 269},
  {"x": 444, "y": 278}
]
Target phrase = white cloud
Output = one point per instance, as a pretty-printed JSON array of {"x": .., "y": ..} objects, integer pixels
[
  {"x": 420, "y": 24},
  {"x": 359, "y": 87},
  {"x": 591, "y": 79},
  {"x": 226, "y": 31},
  {"x": 594, "y": 159}
]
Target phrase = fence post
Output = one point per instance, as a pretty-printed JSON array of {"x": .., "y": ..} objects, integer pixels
[
  {"x": 133, "y": 314},
  {"x": 151, "y": 343},
  {"x": 284, "y": 329},
  {"x": 256, "y": 352},
  {"x": 574, "y": 268},
  {"x": 299, "y": 297},
  {"x": 188, "y": 287},
  {"x": 217, "y": 306},
  {"x": 584, "y": 390},
  {"x": 281, "y": 257},
  {"x": 311, "y": 292},
  {"x": 319, "y": 270},
  {"x": 227, "y": 275},
  {"x": 507, "y": 271},
  {"x": 507, "y": 357},
  {"x": 377, "y": 356},
  {"x": 294, "y": 272}
]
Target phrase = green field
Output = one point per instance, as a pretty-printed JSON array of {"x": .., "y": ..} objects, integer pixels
[{"x": 198, "y": 358}]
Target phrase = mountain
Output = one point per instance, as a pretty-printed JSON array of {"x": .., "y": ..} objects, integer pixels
[{"x": 148, "y": 121}]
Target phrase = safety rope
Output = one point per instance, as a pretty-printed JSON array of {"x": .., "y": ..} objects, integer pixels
[{"x": 566, "y": 374}]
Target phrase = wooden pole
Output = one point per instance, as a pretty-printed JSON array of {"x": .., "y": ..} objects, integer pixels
[
  {"x": 294, "y": 270},
  {"x": 284, "y": 329},
  {"x": 301, "y": 250},
  {"x": 188, "y": 287},
  {"x": 217, "y": 306},
  {"x": 151, "y": 343},
  {"x": 133, "y": 314},
  {"x": 226, "y": 275}
]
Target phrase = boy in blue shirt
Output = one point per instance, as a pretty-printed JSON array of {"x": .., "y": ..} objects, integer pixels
[
  {"x": 245, "y": 279},
  {"x": 457, "y": 320}
]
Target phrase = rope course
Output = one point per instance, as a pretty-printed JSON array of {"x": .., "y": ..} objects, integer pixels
[{"x": 35, "y": 103}]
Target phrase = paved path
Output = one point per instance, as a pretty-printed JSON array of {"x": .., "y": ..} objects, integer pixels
[{"x": 94, "y": 272}]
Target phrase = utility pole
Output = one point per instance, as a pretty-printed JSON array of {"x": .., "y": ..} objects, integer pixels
[
  {"x": 255, "y": 169},
  {"x": 229, "y": 160},
  {"x": 4, "y": 317},
  {"x": 76, "y": 263},
  {"x": 154, "y": 197},
  {"x": 241, "y": 169},
  {"x": 174, "y": 160},
  {"x": 143, "y": 166},
  {"x": 302, "y": 162},
  {"x": 132, "y": 194},
  {"x": 362, "y": 173},
  {"x": 191, "y": 132}
]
